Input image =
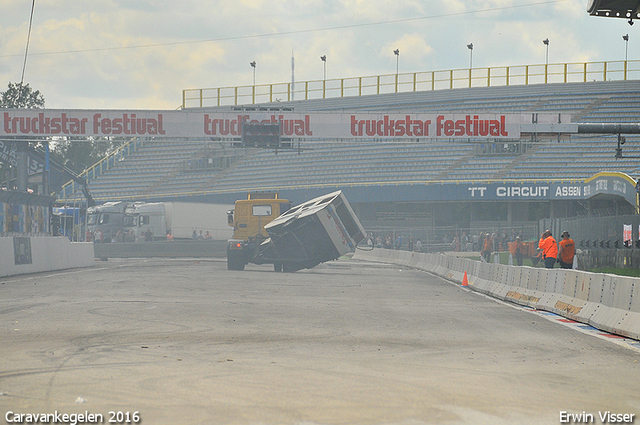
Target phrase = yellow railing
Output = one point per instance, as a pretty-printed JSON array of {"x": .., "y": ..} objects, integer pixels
[
  {"x": 69, "y": 188},
  {"x": 411, "y": 82}
]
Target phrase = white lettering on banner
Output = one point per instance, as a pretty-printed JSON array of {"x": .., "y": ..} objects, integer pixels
[
  {"x": 8, "y": 153},
  {"x": 522, "y": 191},
  {"x": 568, "y": 191},
  {"x": 479, "y": 189},
  {"x": 587, "y": 191},
  {"x": 619, "y": 186},
  {"x": 601, "y": 185},
  {"x": 186, "y": 123}
]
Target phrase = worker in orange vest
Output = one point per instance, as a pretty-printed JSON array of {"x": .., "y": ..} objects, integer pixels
[
  {"x": 549, "y": 248},
  {"x": 517, "y": 249},
  {"x": 567, "y": 251}
]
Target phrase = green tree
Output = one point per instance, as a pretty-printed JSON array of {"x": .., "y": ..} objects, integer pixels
[
  {"x": 80, "y": 154},
  {"x": 77, "y": 154},
  {"x": 19, "y": 95}
]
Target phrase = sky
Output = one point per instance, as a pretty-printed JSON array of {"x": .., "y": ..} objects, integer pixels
[{"x": 141, "y": 54}]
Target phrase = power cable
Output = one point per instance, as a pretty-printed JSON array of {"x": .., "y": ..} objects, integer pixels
[
  {"x": 305, "y": 31},
  {"x": 26, "y": 51}
]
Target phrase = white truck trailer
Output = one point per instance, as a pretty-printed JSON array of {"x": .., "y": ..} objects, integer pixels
[{"x": 182, "y": 219}]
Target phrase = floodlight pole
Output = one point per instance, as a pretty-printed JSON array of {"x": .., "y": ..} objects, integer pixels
[
  {"x": 546, "y": 43},
  {"x": 470, "y": 47},
  {"x": 253, "y": 65},
  {"x": 546, "y": 61},
  {"x": 323, "y": 58},
  {"x": 397, "y": 53}
]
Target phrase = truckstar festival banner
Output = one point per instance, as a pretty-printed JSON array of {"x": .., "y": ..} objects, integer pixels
[{"x": 345, "y": 125}]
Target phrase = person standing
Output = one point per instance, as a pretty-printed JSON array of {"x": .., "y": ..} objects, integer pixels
[
  {"x": 549, "y": 248},
  {"x": 487, "y": 248},
  {"x": 399, "y": 242},
  {"x": 567, "y": 251},
  {"x": 517, "y": 249}
]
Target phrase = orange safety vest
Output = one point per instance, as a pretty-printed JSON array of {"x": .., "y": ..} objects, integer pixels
[
  {"x": 568, "y": 250},
  {"x": 517, "y": 247},
  {"x": 549, "y": 247}
]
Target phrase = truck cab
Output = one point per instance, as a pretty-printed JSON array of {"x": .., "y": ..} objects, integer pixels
[
  {"x": 248, "y": 219},
  {"x": 151, "y": 217},
  {"x": 108, "y": 219}
]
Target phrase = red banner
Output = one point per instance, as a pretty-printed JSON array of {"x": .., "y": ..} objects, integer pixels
[{"x": 91, "y": 123}]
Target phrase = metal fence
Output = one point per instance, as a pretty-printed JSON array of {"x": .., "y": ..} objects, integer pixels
[
  {"x": 412, "y": 82},
  {"x": 594, "y": 232},
  {"x": 448, "y": 238}
]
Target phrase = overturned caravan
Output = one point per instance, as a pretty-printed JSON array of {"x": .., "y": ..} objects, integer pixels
[{"x": 319, "y": 230}]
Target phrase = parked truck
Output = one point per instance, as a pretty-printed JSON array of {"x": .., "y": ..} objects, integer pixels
[
  {"x": 268, "y": 231},
  {"x": 181, "y": 219},
  {"x": 104, "y": 221}
]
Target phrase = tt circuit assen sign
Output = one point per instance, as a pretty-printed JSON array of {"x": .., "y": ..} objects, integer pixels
[
  {"x": 601, "y": 184},
  {"x": 618, "y": 184},
  {"x": 181, "y": 124}
]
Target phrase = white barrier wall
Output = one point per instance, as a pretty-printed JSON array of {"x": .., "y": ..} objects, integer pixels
[
  {"x": 40, "y": 254},
  {"x": 607, "y": 302}
]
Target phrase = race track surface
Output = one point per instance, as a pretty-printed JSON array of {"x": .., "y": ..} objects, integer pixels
[{"x": 189, "y": 342}]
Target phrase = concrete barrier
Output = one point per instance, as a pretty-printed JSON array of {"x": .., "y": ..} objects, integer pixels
[
  {"x": 607, "y": 302},
  {"x": 21, "y": 255},
  {"x": 195, "y": 249}
]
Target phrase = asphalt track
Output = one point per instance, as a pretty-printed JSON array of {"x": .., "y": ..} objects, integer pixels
[{"x": 189, "y": 342}]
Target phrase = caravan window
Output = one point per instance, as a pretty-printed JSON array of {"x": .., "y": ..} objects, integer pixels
[
  {"x": 262, "y": 210},
  {"x": 143, "y": 219},
  {"x": 129, "y": 221},
  {"x": 104, "y": 219},
  {"x": 92, "y": 219}
]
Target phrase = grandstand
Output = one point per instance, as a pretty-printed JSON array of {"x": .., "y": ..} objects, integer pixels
[{"x": 385, "y": 179}]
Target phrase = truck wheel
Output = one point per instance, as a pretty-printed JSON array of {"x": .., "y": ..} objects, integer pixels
[
  {"x": 289, "y": 267},
  {"x": 277, "y": 267},
  {"x": 234, "y": 264}
]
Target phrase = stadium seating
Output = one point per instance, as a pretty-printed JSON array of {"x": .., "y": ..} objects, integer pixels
[{"x": 166, "y": 169}]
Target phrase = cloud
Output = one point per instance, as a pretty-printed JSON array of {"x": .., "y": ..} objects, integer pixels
[
  {"x": 413, "y": 49},
  {"x": 142, "y": 54}
]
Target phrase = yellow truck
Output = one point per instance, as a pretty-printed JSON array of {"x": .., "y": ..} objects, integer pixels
[{"x": 267, "y": 230}]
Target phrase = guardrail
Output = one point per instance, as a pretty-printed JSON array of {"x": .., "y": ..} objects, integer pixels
[
  {"x": 411, "y": 82},
  {"x": 607, "y": 302},
  {"x": 71, "y": 187}
]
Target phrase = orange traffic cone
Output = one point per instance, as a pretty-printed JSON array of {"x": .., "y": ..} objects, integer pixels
[{"x": 465, "y": 282}]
